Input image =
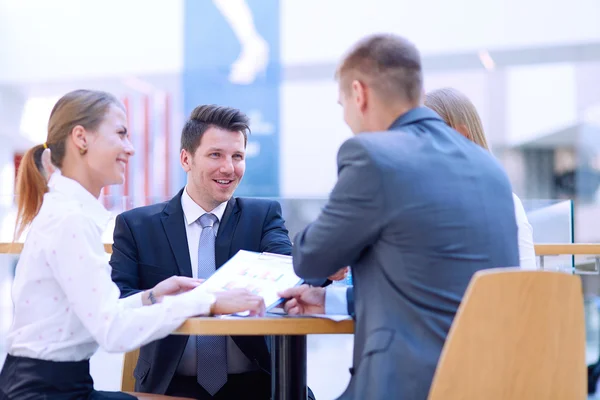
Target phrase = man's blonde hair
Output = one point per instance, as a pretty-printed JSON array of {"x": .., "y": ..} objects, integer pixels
[
  {"x": 389, "y": 64},
  {"x": 456, "y": 109}
]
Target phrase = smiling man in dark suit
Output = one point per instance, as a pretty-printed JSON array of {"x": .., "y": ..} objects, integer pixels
[{"x": 194, "y": 233}]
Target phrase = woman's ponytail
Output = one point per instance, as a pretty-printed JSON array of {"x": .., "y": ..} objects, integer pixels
[{"x": 31, "y": 187}]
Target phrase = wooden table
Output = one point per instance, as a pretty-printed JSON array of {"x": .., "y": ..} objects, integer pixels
[
  {"x": 288, "y": 344},
  {"x": 288, "y": 355}
]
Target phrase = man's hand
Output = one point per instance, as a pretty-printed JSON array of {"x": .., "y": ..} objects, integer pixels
[
  {"x": 304, "y": 300},
  {"x": 169, "y": 287},
  {"x": 238, "y": 300},
  {"x": 340, "y": 275}
]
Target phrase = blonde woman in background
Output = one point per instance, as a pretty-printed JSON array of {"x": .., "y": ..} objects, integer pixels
[{"x": 460, "y": 113}]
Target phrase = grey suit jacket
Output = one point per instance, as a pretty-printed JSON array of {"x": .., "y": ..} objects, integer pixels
[{"x": 416, "y": 211}]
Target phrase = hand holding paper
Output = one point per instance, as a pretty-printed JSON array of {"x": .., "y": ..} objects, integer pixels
[
  {"x": 261, "y": 274},
  {"x": 237, "y": 301}
]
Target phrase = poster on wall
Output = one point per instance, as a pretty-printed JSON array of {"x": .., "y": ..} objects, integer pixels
[{"x": 232, "y": 58}]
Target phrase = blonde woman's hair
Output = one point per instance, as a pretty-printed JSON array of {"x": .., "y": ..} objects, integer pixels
[
  {"x": 456, "y": 109},
  {"x": 80, "y": 107}
]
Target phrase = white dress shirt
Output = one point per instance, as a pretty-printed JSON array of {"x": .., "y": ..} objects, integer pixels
[
  {"x": 336, "y": 301},
  {"x": 65, "y": 301},
  {"x": 237, "y": 362},
  {"x": 527, "y": 258}
]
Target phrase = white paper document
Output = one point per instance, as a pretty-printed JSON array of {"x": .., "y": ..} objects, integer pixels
[{"x": 263, "y": 274}]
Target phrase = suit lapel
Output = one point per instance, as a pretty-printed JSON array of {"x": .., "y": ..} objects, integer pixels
[
  {"x": 227, "y": 227},
  {"x": 173, "y": 222}
]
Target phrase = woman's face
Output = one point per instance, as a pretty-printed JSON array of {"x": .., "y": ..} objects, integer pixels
[{"x": 109, "y": 149}]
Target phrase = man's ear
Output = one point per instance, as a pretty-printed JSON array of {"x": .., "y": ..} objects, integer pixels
[
  {"x": 463, "y": 130},
  {"x": 185, "y": 158},
  {"x": 359, "y": 94}
]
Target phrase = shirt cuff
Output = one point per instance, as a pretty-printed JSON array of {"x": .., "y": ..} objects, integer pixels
[
  {"x": 335, "y": 300},
  {"x": 133, "y": 301},
  {"x": 194, "y": 303}
]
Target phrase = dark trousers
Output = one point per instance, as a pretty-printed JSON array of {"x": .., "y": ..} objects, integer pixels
[
  {"x": 24, "y": 378},
  {"x": 250, "y": 386}
]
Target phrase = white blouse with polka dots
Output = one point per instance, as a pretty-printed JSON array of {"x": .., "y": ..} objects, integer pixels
[{"x": 65, "y": 301}]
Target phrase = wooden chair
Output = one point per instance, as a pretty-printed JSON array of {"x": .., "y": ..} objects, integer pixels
[
  {"x": 517, "y": 335},
  {"x": 128, "y": 381}
]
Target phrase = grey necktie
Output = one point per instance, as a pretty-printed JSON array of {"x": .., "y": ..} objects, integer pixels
[{"x": 211, "y": 351}]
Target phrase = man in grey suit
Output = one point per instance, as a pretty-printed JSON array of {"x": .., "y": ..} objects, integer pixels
[{"x": 416, "y": 211}]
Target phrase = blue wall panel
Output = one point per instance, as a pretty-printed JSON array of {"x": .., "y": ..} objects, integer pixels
[{"x": 211, "y": 49}]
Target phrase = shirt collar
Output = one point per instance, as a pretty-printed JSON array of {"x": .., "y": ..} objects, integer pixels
[
  {"x": 73, "y": 189},
  {"x": 193, "y": 211}
]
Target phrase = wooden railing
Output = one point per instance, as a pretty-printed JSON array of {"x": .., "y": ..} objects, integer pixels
[
  {"x": 575, "y": 249},
  {"x": 590, "y": 249},
  {"x": 541, "y": 250},
  {"x": 16, "y": 248}
]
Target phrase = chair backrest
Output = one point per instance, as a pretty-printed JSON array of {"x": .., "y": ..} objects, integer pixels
[
  {"x": 129, "y": 362},
  {"x": 517, "y": 335}
]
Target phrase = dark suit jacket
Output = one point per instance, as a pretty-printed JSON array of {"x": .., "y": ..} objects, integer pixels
[
  {"x": 416, "y": 211},
  {"x": 150, "y": 245}
]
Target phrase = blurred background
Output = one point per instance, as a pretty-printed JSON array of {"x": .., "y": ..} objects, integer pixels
[{"x": 531, "y": 68}]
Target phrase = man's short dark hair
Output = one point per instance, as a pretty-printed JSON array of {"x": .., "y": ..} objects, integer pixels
[
  {"x": 205, "y": 116},
  {"x": 389, "y": 64}
]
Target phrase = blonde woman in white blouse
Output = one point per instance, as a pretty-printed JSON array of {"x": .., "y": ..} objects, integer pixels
[
  {"x": 459, "y": 112},
  {"x": 66, "y": 304}
]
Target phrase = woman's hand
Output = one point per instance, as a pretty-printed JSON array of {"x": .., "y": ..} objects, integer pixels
[{"x": 169, "y": 287}]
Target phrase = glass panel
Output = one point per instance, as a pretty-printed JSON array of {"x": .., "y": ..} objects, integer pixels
[
  {"x": 552, "y": 222},
  {"x": 587, "y": 192}
]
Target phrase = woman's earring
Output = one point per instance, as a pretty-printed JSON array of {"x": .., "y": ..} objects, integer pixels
[{"x": 82, "y": 151}]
